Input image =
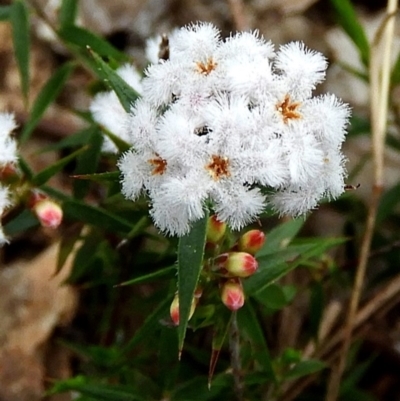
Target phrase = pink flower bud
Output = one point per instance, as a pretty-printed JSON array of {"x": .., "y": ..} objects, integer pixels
[
  {"x": 215, "y": 230},
  {"x": 47, "y": 211},
  {"x": 235, "y": 264},
  {"x": 251, "y": 242},
  {"x": 174, "y": 308},
  {"x": 232, "y": 294}
]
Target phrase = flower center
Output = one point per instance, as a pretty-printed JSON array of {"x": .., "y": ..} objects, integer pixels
[
  {"x": 160, "y": 165},
  {"x": 289, "y": 109},
  {"x": 218, "y": 167},
  {"x": 207, "y": 67}
]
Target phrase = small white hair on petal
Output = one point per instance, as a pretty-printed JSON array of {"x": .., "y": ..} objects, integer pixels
[
  {"x": 328, "y": 117},
  {"x": 303, "y": 68},
  {"x": 8, "y": 146},
  {"x": 196, "y": 42},
  {"x": 238, "y": 205}
]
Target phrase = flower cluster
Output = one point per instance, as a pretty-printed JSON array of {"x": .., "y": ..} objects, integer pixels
[
  {"x": 224, "y": 268},
  {"x": 232, "y": 125},
  {"x": 8, "y": 158}
]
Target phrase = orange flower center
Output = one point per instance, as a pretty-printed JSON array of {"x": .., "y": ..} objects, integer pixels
[
  {"x": 160, "y": 165},
  {"x": 218, "y": 167},
  {"x": 207, "y": 67},
  {"x": 289, "y": 109}
]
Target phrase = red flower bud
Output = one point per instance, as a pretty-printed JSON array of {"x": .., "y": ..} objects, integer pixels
[
  {"x": 235, "y": 264},
  {"x": 232, "y": 294},
  {"x": 174, "y": 308},
  {"x": 251, "y": 242},
  {"x": 215, "y": 230},
  {"x": 46, "y": 210}
]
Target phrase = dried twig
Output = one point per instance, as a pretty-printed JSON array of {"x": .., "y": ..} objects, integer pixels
[
  {"x": 379, "y": 94},
  {"x": 383, "y": 301}
]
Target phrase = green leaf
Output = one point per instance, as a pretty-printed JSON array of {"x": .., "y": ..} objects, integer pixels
[
  {"x": 23, "y": 165},
  {"x": 100, "y": 392},
  {"x": 83, "y": 39},
  {"x": 347, "y": 18},
  {"x": 249, "y": 324},
  {"x": 5, "y": 13},
  {"x": 190, "y": 262},
  {"x": 220, "y": 330},
  {"x": 276, "y": 296},
  {"x": 43, "y": 176},
  {"x": 21, "y": 41},
  {"x": 46, "y": 96},
  {"x": 112, "y": 176},
  {"x": 281, "y": 236},
  {"x": 167, "y": 271},
  {"x": 77, "y": 139},
  {"x": 150, "y": 325},
  {"x": 121, "y": 145},
  {"x": 24, "y": 221},
  {"x": 305, "y": 368},
  {"x": 96, "y": 216},
  {"x": 67, "y": 244},
  {"x": 87, "y": 162},
  {"x": 126, "y": 94},
  {"x": 68, "y": 12},
  {"x": 273, "y": 266}
]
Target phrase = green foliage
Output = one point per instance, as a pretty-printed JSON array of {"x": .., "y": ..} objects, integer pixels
[
  {"x": 125, "y": 93},
  {"x": 190, "y": 258},
  {"x": 347, "y": 18},
  {"x": 19, "y": 18},
  {"x": 127, "y": 273},
  {"x": 46, "y": 97}
]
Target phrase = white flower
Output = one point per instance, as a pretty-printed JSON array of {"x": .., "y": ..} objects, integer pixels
[
  {"x": 8, "y": 155},
  {"x": 8, "y": 146},
  {"x": 108, "y": 111},
  {"x": 221, "y": 120}
]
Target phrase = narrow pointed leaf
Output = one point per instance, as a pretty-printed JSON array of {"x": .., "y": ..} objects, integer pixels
[
  {"x": 68, "y": 12},
  {"x": 150, "y": 325},
  {"x": 220, "y": 331},
  {"x": 126, "y": 94},
  {"x": 47, "y": 96},
  {"x": 190, "y": 261},
  {"x": 67, "y": 244},
  {"x": 281, "y": 236},
  {"x": 249, "y": 324},
  {"x": 20, "y": 34},
  {"x": 87, "y": 162},
  {"x": 43, "y": 176},
  {"x": 112, "y": 176},
  {"x": 84, "y": 38},
  {"x": 167, "y": 271},
  {"x": 21, "y": 223},
  {"x": 348, "y": 20},
  {"x": 96, "y": 216},
  {"x": 305, "y": 368}
]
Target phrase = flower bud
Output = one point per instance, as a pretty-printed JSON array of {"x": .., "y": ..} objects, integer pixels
[
  {"x": 251, "y": 242},
  {"x": 174, "y": 308},
  {"x": 235, "y": 264},
  {"x": 232, "y": 294},
  {"x": 48, "y": 212},
  {"x": 215, "y": 229}
]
